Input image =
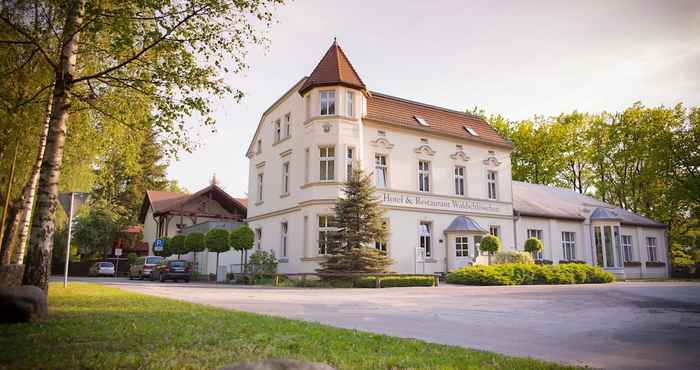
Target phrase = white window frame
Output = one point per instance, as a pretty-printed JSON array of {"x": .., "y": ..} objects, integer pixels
[
  {"x": 284, "y": 228},
  {"x": 462, "y": 246},
  {"x": 426, "y": 237},
  {"x": 327, "y": 102},
  {"x": 424, "y": 176},
  {"x": 627, "y": 251},
  {"x": 326, "y": 163},
  {"x": 349, "y": 159},
  {"x": 495, "y": 230},
  {"x": 287, "y": 125},
  {"x": 652, "y": 251},
  {"x": 460, "y": 180},
  {"x": 261, "y": 178},
  {"x": 382, "y": 245},
  {"x": 381, "y": 167},
  {"x": 325, "y": 227},
  {"x": 537, "y": 233},
  {"x": 568, "y": 245},
  {"x": 492, "y": 184},
  {"x": 285, "y": 178},
  {"x": 258, "y": 238},
  {"x": 350, "y": 103},
  {"x": 278, "y": 130}
]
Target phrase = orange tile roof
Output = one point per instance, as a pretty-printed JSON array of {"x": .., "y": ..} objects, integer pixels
[
  {"x": 401, "y": 112},
  {"x": 333, "y": 69}
]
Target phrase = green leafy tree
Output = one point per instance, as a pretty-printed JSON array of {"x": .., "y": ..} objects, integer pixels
[
  {"x": 217, "y": 241},
  {"x": 132, "y": 257},
  {"x": 242, "y": 240},
  {"x": 177, "y": 245},
  {"x": 172, "y": 53},
  {"x": 490, "y": 244},
  {"x": 95, "y": 231},
  {"x": 534, "y": 246},
  {"x": 195, "y": 242},
  {"x": 359, "y": 220}
]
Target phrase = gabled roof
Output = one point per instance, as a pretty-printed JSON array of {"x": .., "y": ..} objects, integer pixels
[
  {"x": 164, "y": 201},
  {"x": 464, "y": 223},
  {"x": 547, "y": 201},
  {"x": 333, "y": 69},
  {"x": 401, "y": 112}
]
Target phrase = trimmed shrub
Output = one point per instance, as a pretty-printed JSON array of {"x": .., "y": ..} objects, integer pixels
[
  {"x": 533, "y": 245},
  {"x": 526, "y": 274},
  {"x": 512, "y": 257},
  {"x": 393, "y": 281},
  {"x": 262, "y": 262}
]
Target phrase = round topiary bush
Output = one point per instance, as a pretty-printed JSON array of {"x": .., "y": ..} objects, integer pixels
[
  {"x": 533, "y": 245},
  {"x": 490, "y": 244}
]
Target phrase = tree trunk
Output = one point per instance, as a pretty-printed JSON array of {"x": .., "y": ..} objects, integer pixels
[
  {"x": 18, "y": 230},
  {"x": 43, "y": 225}
]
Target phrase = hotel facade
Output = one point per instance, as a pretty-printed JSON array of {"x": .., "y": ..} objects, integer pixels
[{"x": 443, "y": 177}]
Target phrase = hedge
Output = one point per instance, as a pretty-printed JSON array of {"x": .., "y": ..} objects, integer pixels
[
  {"x": 529, "y": 274},
  {"x": 394, "y": 281}
]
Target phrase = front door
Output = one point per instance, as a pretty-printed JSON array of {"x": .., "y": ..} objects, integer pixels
[{"x": 461, "y": 251}]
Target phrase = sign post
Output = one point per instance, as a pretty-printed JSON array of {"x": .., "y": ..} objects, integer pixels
[
  {"x": 118, "y": 253},
  {"x": 158, "y": 245},
  {"x": 71, "y": 202}
]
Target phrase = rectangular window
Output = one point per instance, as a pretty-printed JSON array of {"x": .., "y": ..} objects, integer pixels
[
  {"x": 325, "y": 227},
  {"x": 425, "y": 236},
  {"x": 285, "y": 178},
  {"x": 598, "y": 247},
  {"x": 462, "y": 246},
  {"x": 283, "y": 242},
  {"x": 349, "y": 159},
  {"x": 651, "y": 249},
  {"x": 260, "y": 187},
  {"x": 327, "y": 163},
  {"x": 258, "y": 239},
  {"x": 491, "y": 183},
  {"x": 306, "y": 165},
  {"x": 278, "y": 130},
  {"x": 259, "y": 149},
  {"x": 380, "y": 170},
  {"x": 350, "y": 104},
  {"x": 287, "y": 125},
  {"x": 381, "y": 244},
  {"x": 459, "y": 180},
  {"x": 568, "y": 244},
  {"x": 327, "y": 102},
  {"x": 627, "y": 248},
  {"x": 424, "y": 176},
  {"x": 495, "y": 230},
  {"x": 535, "y": 233},
  {"x": 608, "y": 244}
]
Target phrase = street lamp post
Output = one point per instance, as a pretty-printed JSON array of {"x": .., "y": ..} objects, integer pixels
[{"x": 71, "y": 202}]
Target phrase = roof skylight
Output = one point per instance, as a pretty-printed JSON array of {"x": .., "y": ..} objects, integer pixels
[
  {"x": 421, "y": 121},
  {"x": 470, "y": 131}
]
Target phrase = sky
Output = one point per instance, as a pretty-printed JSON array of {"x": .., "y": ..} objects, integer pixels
[{"x": 514, "y": 58}]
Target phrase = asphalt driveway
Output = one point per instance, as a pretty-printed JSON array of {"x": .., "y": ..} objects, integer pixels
[{"x": 616, "y": 326}]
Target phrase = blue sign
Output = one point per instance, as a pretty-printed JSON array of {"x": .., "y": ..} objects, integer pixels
[{"x": 158, "y": 245}]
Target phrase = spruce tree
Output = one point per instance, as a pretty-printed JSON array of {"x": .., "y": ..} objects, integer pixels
[{"x": 359, "y": 220}]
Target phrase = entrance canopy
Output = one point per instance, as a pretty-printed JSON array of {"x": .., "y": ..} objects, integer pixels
[{"x": 465, "y": 224}]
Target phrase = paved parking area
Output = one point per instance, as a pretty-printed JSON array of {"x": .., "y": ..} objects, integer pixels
[{"x": 638, "y": 325}]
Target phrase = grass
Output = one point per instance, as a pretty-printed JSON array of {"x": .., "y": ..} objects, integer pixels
[{"x": 93, "y": 326}]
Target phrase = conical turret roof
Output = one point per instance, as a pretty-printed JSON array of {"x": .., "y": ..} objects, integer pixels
[{"x": 333, "y": 69}]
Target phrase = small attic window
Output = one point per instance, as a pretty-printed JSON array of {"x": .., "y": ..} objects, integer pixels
[
  {"x": 421, "y": 121},
  {"x": 459, "y": 146},
  {"x": 423, "y": 140},
  {"x": 381, "y": 133},
  {"x": 470, "y": 131}
]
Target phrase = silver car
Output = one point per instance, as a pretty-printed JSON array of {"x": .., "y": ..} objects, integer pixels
[{"x": 102, "y": 269}]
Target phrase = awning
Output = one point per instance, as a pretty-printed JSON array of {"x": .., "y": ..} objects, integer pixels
[{"x": 465, "y": 224}]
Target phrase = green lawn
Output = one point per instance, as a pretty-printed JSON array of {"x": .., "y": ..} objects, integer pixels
[{"x": 93, "y": 326}]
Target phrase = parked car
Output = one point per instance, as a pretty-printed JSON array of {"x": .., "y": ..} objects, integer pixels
[
  {"x": 173, "y": 270},
  {"x": 102, "y": 269},
  {"x": 143, "y": 267}
]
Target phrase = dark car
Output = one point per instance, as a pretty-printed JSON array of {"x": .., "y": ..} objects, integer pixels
[{"x": 173, "y": 270}]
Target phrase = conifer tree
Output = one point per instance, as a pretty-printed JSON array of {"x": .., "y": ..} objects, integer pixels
[{"x": 359, "y": 220}]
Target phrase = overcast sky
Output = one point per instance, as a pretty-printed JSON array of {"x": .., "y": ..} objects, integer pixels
[{"x": 515, "y": 58}]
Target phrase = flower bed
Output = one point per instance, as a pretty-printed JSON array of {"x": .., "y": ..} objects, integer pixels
[{"x": 529, "y": 274}]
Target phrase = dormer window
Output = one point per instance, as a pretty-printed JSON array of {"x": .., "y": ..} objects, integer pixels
[
  {"x": 470, "y": 130},
  {"x": 423, "y": 140},
  {"x": 381, "y": 133},
  {"x": 421, "y": 121},
  {"x": 327, "y": 102}
]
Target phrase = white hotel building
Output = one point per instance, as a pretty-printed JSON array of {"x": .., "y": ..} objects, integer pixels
[{"x": 444, "y": 178}]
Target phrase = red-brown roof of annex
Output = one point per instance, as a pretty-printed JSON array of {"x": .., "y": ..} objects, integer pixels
[{"x": 335, "y": 69}]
